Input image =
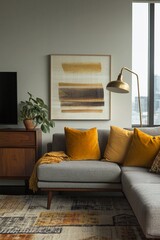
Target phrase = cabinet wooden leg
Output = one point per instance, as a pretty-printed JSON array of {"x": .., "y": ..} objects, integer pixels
[{"x": 49, "y": 199}]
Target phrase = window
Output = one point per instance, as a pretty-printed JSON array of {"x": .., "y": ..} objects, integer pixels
[
  {"x": 146, "y": 62},
  {"x": 157, "y": 65}
]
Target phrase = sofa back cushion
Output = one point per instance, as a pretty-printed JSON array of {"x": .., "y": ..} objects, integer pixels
[
  {"x": 59, "y": 141},
  {"x": 153, "y": 131},
  {"x": 103, "y": 135}
]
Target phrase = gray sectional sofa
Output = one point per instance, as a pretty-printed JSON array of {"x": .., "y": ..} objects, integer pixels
[{"x": 141, "y": 188}]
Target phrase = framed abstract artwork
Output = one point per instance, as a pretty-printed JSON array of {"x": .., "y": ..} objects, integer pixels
[{"x": 78, "y": 87}]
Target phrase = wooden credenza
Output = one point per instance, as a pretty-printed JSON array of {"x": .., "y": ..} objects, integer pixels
[{"x": 19, "y": 150}]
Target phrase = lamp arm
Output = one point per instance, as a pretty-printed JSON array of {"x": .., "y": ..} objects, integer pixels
[{"x": 138, "y": 89}]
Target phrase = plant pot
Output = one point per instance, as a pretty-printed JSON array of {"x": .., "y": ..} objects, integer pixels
[{"x": 29, "y": 124}]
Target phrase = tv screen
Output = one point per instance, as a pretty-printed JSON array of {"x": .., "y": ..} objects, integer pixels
[{"x": 8, "y": 98}]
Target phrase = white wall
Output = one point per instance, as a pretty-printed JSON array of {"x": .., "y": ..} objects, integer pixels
[{"x": 31, "y": 30}]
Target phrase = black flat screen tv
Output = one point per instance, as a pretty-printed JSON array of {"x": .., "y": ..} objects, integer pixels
[{"x": 8, "y": 98}]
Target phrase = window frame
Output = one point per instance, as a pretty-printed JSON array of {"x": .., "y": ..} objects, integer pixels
[{"x": 151, "y": 64}]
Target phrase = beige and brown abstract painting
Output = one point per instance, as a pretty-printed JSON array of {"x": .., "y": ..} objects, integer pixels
[{"x": 78, "y": 87}]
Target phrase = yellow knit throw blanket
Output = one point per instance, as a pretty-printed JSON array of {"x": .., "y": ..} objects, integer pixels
[{"x": 47, "y": 158}]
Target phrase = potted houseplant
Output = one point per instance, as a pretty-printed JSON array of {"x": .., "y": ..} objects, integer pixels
[{"x": 35, "y": 111}]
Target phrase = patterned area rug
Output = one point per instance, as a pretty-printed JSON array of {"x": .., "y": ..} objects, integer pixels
[{"x": 70, "y": 218}]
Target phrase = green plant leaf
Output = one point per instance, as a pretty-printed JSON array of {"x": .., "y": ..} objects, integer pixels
[{"x": 37, "y": 110}]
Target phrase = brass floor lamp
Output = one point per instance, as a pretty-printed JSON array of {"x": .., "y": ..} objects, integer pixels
[{"x": 119, "y": 86}]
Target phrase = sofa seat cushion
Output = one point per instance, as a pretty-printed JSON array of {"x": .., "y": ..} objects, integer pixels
[
  {"x": 133, "y": 169},
  {"x": 79, "y": 171},
  {"x": 138, "y": 175},
  {"x": 145, "y": 201}
]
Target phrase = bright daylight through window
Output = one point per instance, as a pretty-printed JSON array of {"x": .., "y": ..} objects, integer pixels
[
  {"x": 157, "y": 66},
  {"x": 146, "y": 62}
]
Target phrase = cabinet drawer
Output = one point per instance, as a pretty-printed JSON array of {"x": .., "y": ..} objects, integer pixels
[
  {"x": 16, "y": 162},
  {"x": 17, "y": 139}
]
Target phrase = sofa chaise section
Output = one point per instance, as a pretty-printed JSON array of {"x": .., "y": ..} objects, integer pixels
[{"x": 142, "y": 189}]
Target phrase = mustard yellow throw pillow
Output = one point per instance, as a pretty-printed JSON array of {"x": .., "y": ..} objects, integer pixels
[
  {"x": 118, "y": 143},
  {"x": 143, "y": 149},
  {"x": 82, "y": 144}
]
